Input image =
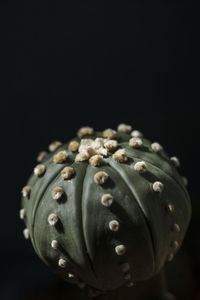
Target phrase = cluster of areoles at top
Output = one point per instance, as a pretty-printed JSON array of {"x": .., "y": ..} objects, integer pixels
[{"x": 95, "y": 150}]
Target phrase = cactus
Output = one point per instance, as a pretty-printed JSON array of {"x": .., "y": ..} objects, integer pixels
[{"x": 107, "y": 209}]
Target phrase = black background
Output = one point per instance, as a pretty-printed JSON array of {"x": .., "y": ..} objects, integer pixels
[{"x": 91, "y": 63}]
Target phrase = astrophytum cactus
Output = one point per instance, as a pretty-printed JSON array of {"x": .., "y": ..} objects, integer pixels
[{"x": 107, "y": 209}]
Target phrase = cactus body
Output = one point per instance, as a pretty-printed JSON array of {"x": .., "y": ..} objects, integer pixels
[{"x": 109, "y": 215}]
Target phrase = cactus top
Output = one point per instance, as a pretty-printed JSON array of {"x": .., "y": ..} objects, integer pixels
[{"x": 106, "y": 209}]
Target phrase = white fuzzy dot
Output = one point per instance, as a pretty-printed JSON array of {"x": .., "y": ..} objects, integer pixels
[
  {"x": 62, "y": 263},
  {"x": 57, "y": 193},
  {"x": 158, "y": 186},
  {"x": 52, "y": 219},
  {"x": 39, "y": 170},
  {"x": 41, "y": 156},
  {"x": 107, "y": 200},
  {"x": 140, "y": 167},
  {"x": 54, "y": 244},
  {"x": 70, "y": 275},
  {"x": 114, "y": 225},
  {"x": 26, "y": 233},
  {"x": 175, "y": 245},
  {"x": 101, "y": 177},
  {"x": 26, "y": 191},
  {"x": 176, "y": 228},
  {"x": 185, "y": 181},
  {"x": 175, "y": 161},
  {"x": 136, "y": 142},
  {"x": 120, "y": 250},
  {"x": 124, "y": 128},
  {"x": 136, "y": 133},
  {"x": 156, "y": 147},
  {"x": 170, "y": 257},
  {"x": 22, "y": 213},
  {"x": 54, "y": 146}
]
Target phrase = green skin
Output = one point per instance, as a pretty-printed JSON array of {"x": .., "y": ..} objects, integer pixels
[{"x": 83, "y": 233}]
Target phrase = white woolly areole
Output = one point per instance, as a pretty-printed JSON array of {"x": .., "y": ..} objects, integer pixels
[
  {"x": 60, "y": 157},
  {"x": 170, "y": 208},
  {"x": 92, "y": 147},
  {"x": 96, "y": 160},
  {"x": 70, "y": 275},
  {"x": 52, "y": 219},
  {"x": 81, "y": 157},
  {"x": 57, "y": 193},
  {"x": 156, "y": 147},
  {"x": 136, "y": 133},
  {"x": 41, "y": 156},
  {"x": 39, "y": 170},
  {"x": 140, "y": 167},
  {"x": 109, "y": 133},
  {"x": 125, "y": 267},
  {"x": 62, "y": 263},
  {"x": 67, "y": 173},
  {"x": 22, "y": 213},
  {"x": 175, "y": 245},
  {"x": 158, "y": 186},
  {"x": 170, "y": 257},
  {"x": 26, "y": 191},
  {"x": 120, "y": 155},
  {"x": 175, "y": 161},
  {"x": 54, "y": 145},
  {"x": 176, "y": 228},
  {"x": 107, "y": 200},
  {"x": 110, "y": 145},
  {"x": 124, "y": 128},
  {"x": 120, "y": 250},
  {"x": 114, "y": 225},
  {"x": 101, "y": 177},
  {"x": 85, "y": 131},
  {"x": 135, "y": 142},
  {"x": 130, "y": 284},
  {"x": 54, "y": 244},
  {"x": 73, "y": 146},
  {"x": 26, "y": 233}
]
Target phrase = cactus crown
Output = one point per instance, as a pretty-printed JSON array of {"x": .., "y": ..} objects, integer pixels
[{"x": 106, "y": 209}]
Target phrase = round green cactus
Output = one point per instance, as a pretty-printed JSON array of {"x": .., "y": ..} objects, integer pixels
[{"x": 106, "y": 209}]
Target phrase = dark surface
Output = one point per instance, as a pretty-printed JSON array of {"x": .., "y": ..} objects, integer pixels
[{"x": 70, "y": 65}]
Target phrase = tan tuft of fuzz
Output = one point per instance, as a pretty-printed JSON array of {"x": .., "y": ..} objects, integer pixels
[
  {"x": 175, "y": 161},
  {"x": 62, "y": 263},
  {"x": 140, "y": 167},
  {"x": 82, "y": 157},
  {"x": 170, "y": 208},
  {"x": 110, "y": 145},
  {"x": 107, "y": 200},
  {"x": 57, "y": 193},
  {"x": 101, "y": 177},
  {"x": 156, "y": 147},
  {"x": 26, "y": 191},
  {"x": 114, "y": 225},
  {"x": 39, "y": 170},
  {"x": 136, "y": 133},
  {"x": 26, "y": 233},
  {"x": 54, "y": 244},
  {"x": 85, "y": 131},
  {"x": 136, "y": 142},
  {"x": 120, "y": 250},
  {"x": 67, "y": 173},
  {"x": 175, "y": 245},
  {"x": 73, "y": 146},
  {"x": 92, "y": 147},
  {"x": 60, "y": 157},
  {"x": 52, "y": 219},
  {"x": 120, "y": 155},
  {"x": 125, "y": 267},
  {"x": 158, "y": 186},
  {"x": 109, "y": 133},
  {"x": 124, "y": 128},
  {"x": 54, "y": 146},
  {"x": 185, "y": 181},
  {"x": 170, "y": 257},
  {"x": 127, "y": 276},
  {"x": 176, "y": 228},
  {"x": 96, "y": 160},
  {"x": 70, "y": 275},
  {"x": 41, "y": 156},
  {"x": 22, "y": 213}
]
